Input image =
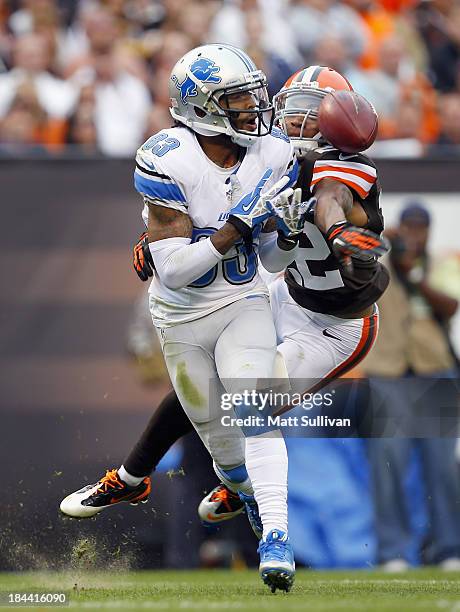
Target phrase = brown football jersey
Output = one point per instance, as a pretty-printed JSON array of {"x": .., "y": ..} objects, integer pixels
[{"x": 315, "y": 279}]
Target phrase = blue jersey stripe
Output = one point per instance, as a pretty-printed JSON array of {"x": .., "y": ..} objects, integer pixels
[
  {"x": 157, "y": 189},
  {"x": 293, "y": 174}
]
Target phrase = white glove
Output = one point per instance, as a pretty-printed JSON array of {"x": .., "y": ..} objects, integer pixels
[
  {"x": 252, "y": 208},
  {"x": 290, "y": 211}
]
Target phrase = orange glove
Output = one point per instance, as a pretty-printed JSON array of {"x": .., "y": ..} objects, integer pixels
[{"x": 142, "y": 258}]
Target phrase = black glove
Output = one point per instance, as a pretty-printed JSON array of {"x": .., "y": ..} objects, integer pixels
[
  {"x": 347, "y": 240},
  {"x": 142, "y": 258}
]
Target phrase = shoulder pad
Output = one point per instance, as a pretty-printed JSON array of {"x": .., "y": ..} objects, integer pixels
[
  {"x": 164, "y": 167},
  {"x": 171, "y": 152},
  {"x": 330, "y": 153},
  {"x": 356, "y": 170},
  {"x": 277, "y": 133}
]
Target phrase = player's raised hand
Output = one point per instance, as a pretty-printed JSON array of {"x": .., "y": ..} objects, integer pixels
[
  {"x": 289, "y": 210},
  {"x": 251, "y": 209},
  {"x": 348, "y": 241},
  {"x": 142, "y": 258}
]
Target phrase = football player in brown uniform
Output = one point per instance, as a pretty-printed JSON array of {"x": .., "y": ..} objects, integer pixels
[{"x": 324, "y": 307}]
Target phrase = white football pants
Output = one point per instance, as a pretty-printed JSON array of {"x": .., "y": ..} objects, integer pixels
[
  {"x": 316, "y": 348},
  {"x": 234, "y": 343}
]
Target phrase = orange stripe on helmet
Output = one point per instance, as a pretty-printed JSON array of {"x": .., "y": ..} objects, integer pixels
[
  {"x": 291, "y": 78},
  {"x": 329, "y": 78}
]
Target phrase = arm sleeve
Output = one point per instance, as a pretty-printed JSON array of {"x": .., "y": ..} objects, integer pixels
[
  {"x": 292, "y": 172},
  {"x": 178, "y": 262},
  {"x": 271, "y": 256}
]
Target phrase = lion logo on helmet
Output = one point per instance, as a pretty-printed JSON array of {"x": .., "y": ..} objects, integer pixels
[{"x": 204, "y": 70}]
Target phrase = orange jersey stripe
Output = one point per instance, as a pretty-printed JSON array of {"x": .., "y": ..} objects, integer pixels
[
  {"x": 361, "y": 173},
  {"x": 359, "y": 190}
]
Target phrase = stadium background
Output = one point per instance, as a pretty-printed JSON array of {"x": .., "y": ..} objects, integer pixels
[{"x": 84, "y": 83}]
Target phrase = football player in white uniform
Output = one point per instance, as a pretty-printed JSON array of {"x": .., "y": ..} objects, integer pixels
[
  {"x": 338, "y": 326},
  {"x": 207, "y": 300}
]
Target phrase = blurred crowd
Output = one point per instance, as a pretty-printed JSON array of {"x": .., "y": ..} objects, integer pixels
[{"x": 94, "y": 73}]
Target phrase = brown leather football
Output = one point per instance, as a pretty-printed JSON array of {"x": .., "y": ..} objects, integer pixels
[{"x": 348, "y": 121}]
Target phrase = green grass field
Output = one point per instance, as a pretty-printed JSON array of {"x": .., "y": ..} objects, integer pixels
[{"x": 425, "y": 589}]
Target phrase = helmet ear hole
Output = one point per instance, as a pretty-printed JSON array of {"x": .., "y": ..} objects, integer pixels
[{"x": 199, "y": 112}]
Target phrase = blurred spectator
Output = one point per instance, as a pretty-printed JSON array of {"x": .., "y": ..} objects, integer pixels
[
  {"x": 312, "y": 20},
  {"x": 331, "y": 51},
  {"x": 439, "y": 24},
  {"x": 121, "y": 99},
  {"x": 411, "y": 357},
  {"x": 390, "y": 50},
  {"x": 450, "y": 117},
  {"x": 228, "y": 26},
  {"x": 33, "y": 16},
  {"x": 173, "y": 9},
  {"x": 194, "y": 21},
  {"x": 5, "y": 36},
  {"x": 142, "y": 342},
  {"x": 383, "y": 82},
  {"x": 99, "y": 32},
  {"x": 163, "y": 50},
  {"x": 448, "y": 142},
  {"x": 399, "y": 94},
  {"x": 379, "y": 24},
  {"x": 275, "y": 67},
  {"x": 386, "y": 18},
  {"x": 168, "y": 48},
  {"x": 18, "y": 128},
  {"x": 31, "y": 61},
  {"x": 82, "y": 129},
  {"x": 122, "y": 104},
  {"x": 446, "y": 277}
]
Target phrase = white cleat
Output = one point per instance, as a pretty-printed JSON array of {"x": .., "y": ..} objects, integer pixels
[
  {"x": 105, "y": 493},
  {"x": 219, "y": 505}
]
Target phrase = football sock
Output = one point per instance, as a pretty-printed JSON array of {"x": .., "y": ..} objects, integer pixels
[
  {"x": 131, "y": 481},
  {"x": 167, "y": 424},
  {"x": 267, "y": 465},
  {"x": 235, "y": 479}
]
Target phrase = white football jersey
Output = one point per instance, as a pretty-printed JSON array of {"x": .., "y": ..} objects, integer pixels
[{"x": 173, "y": 171}]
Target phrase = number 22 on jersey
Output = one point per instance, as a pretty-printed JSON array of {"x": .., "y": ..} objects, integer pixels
[{"x": 319, "y": 251}]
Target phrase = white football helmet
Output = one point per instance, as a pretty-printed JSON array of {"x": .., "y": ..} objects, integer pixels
[{"x": 203, "y": 77}]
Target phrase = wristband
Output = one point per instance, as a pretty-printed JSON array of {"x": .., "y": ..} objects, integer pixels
[
  {"x": 243, "y": 229},
  {"x": 287, "y": 243},
  {"x": 335, "y": 229}
]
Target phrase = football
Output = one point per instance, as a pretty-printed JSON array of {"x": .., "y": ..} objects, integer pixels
[{"x": 348, "y": 121}]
